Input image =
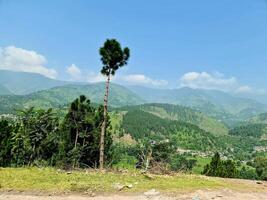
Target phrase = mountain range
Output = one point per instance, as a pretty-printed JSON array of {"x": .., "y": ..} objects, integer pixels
[
  {"x": 195, "y": 119},
  {"x": 21, "y": 89}
]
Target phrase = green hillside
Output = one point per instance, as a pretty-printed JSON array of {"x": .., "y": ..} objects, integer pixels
[
  {"x": 261, "y": 118},
  {"x": 187, "y": 129},
  {"x": 140, "y": 125},
  {"x": 60, "y": 96},
  {"x": 215, "y": 103},
  {"x": 185, "y": 114},
  {"x": 250, "y": 130}
]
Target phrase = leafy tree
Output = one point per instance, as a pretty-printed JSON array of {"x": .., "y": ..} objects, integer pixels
[
  {"x": 260, "y": 163},
  {"x": 248, "y": 173},
  {"x": 181, "y": 163},
  {"x": 5, "y": 144},
  {"x": 34, "y": 138},
  {"x": 220, "y": 168},
  {"x": 80, "y": 138},
  {"x": 113, "y": 57}
]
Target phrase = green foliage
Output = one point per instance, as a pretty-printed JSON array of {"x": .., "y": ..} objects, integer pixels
[
  {"x": 249, "y": 130},
  {"x": 37, "y": 137},
  {"x": 59, "y": 97},
  {"x": 220, "y": 168},
  {"x": 217, "y": 104},
  {"x": 181, "y": 113},
  {"x": 5, "y": 143},
  {"x": 248, "y": 173},
  {"x": 113, "y": 56},
  {"x": 184, "y": 135},
  {"x": 81, "y": 128},
  {"x": 260, "y": 163},
  {"x": 182, "y": 163}
]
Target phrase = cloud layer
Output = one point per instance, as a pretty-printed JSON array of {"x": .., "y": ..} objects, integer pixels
[
  {"x": 74, "y": 72},
  {"x": 216, "y": 81},
  {"x": 129, "y": 79},
  {"x": 141, "y": 79},
  {"x": 18, "y": 59}
]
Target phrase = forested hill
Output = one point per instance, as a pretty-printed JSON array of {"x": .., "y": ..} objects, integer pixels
[
  {"x": 143, "y": 125},
  {"x": 218, "y": 104},
  {"x": 261, "y": 118},
  {"x": 250, "y": 130},
  {"x": 181, "y": 113},
  {"x": 60, "y": 96}
]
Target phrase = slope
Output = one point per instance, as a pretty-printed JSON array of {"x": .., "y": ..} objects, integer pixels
[
  {"x": 181, "y": 113},
  {"x": 60, "y": 96},
  {"x": 215, "y": 103},
  {"x": 141, "y": 125},
  {"x": 21, "y": 83}
]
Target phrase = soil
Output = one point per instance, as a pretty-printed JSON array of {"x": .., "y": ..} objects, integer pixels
[{"x": 197, "y": 195}]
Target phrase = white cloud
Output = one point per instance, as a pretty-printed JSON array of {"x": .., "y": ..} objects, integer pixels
[
  {"x": 216, "y": 81},
  {"x": 74, "y": 72},
  {"x": 18, "y": 59},
  {"x": 205, "y": 80},
  {"x": 130, "y": 79},
  {"x": 141, "y": 79},
  {"x": 93, "y": 77}
]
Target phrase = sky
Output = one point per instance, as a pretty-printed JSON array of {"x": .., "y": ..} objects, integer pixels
[{"x": 200, "y": 44}]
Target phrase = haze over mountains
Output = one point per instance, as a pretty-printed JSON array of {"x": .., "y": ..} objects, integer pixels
[{"x": 21, "y": 89}]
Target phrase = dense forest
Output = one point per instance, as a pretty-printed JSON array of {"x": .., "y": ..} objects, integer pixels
[
  {"x": 250, "y": 130},
  {"x": 40, "y": 137}
]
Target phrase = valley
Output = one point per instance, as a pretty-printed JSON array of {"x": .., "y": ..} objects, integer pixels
[{"x": 195, "y": 123}]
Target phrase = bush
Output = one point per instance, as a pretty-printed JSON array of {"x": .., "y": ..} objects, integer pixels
[
  {"x": 220, "y": 168},
  {"x": 180, "y": 163}
]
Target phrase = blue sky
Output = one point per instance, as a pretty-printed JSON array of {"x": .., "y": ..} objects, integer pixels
[{"x": 208, "y": 44}]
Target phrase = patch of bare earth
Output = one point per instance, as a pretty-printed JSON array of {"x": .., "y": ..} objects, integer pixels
[{"x": 201, "y": 195}]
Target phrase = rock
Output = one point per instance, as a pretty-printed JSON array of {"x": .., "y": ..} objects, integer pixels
[
  {"x": 89, "y": 193},
  {"x": 259, "y": 183},
  {"x": 196, "y": 198},
  {"x": 152, "y": 192},
  {"x": 118, "y": 187},
  {"x": 129, "y": 186}
]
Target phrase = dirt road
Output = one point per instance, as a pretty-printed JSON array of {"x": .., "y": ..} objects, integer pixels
[{"x": 198, "y": 195}]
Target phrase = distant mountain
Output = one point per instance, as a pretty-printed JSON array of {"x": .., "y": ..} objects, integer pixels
[
  {"x": 181, "y": 113},
  {"x": 4, "y": 90},
  {"x": 60, "y": 96},
  {"x": 212, "y": 102},
  {"x": 44, "y": 92},
  {"x": 260, "y": 118},
  {"x": 21, "y": 83}
]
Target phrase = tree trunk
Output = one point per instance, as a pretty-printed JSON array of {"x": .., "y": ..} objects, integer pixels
[
  {"x": 76, "y": 138},
  {"x": 103, "y": 127}
]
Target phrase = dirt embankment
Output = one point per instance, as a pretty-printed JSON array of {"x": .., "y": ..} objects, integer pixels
[{"x": 197, "y": 195}]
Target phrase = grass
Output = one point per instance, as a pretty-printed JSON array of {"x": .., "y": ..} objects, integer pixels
[
  {"x": 52, "y": 180},
  {"x": 201, "y": 162}
]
